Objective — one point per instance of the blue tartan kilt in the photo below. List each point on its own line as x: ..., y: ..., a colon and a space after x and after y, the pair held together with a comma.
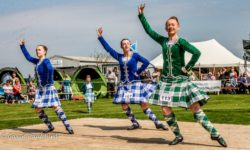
x: 89, y: 97
x: 67, y: 90
x: 46, y: 97
x: 134, y: 93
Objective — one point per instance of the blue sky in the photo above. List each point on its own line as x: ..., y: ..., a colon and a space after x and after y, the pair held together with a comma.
x: 68, y: 27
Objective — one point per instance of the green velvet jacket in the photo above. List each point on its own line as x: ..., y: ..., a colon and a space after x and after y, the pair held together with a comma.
x: 173, y: 57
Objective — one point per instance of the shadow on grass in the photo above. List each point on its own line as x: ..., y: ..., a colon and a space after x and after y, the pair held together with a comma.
x: 80, y: 111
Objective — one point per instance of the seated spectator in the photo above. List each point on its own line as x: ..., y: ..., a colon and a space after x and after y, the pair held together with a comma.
x: 31, y: 89
x: 211, y: 76
x: 8, y: 92
x: 17, y: 89
x: 244, y: 83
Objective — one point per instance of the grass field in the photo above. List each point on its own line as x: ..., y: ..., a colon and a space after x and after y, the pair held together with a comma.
x: 229, y: 109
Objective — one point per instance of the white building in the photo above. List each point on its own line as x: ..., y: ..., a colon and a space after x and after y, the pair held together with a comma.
x: 77, y: 61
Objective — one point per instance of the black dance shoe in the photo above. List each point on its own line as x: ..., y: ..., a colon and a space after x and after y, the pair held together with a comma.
x: 161, y: 126
x: 48, y: 130
x: 70, y: 130
x: 177, y: 140
x: 220, y: 140
x: 134, y: 126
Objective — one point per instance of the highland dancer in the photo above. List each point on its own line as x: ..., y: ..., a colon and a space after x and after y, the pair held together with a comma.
x: 131, y: 90
x: 46, y: 94
x: 89, y: 95
x: 175, y: 89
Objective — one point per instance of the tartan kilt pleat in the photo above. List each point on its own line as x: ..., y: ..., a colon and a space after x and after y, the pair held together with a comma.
x: 180, y: 92
x: 134, y: 93
x: 46, y: 97
x: 89, y: 96
x: 67, y: 89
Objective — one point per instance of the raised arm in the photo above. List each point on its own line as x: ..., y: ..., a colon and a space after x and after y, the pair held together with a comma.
x: 193, y: 50
x: 105, y: 45
x: 26, y: 53
x: 154, y: 35
x: 144, y: 62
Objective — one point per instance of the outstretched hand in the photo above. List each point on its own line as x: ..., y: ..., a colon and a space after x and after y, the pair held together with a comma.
x: 99, y: 31
x: 141, y: 8
x: 21, y: 41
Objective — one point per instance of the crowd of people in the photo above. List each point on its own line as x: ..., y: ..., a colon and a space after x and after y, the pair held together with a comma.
x: 231, y: 80
x: 13, y: 90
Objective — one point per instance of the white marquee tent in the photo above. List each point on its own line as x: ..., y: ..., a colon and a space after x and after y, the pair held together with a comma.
x: 213, y: 54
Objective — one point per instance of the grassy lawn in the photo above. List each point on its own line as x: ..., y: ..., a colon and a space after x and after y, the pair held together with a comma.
x: 229, y: 109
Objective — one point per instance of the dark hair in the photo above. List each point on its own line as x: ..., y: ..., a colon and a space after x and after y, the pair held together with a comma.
x: 88, y: 76
x: 175, y: 18
x: 123, y: 40
x: 44, y: 47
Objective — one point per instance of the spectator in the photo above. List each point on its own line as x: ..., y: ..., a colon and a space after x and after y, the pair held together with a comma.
x: 14, y: 77
x: 61, y: 91
x: 8, y: 92
x: 116, y: 77
x: 218, y: 76
x: 115, y: 70
x: 145, y: 77
x: 245, y: 83
x: 211, y: 76
x: 110, y: 83
x: 29, y: 78
x: 149, y: 77
x: 31, y: 89
x: 222, y: 77
x: 233, y: 77
x: 223, y: 72
x: 192, y: 76
x: 156, y: 75
x: 67, y: 88
x: 17, y: 89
